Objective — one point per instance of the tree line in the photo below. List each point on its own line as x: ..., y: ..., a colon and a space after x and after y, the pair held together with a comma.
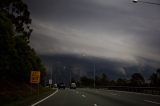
x: 136, y: 80
x: 17, y: 58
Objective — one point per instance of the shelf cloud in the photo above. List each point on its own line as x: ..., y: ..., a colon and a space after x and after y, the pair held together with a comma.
x: 113, y: 29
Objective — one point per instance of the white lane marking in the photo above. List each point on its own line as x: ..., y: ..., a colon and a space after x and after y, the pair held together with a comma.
x: 152, y: 102
x: 95, y: 105
x: 114, y: 94
x: 83, y: 96
x: 45, y: 98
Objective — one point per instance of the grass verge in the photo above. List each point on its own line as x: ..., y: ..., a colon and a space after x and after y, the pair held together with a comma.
x: 28, y: 100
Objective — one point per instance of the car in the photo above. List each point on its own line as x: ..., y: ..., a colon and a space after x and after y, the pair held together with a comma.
x: 73, y: 86
x: 61, y: 86
x: 55, y: 86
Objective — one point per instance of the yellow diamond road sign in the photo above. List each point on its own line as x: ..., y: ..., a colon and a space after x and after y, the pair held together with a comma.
x: 35, y: 77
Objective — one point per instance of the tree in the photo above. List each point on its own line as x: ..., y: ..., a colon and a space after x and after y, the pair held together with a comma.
x: 17, y: 58
x: 27, y: 60
x: 97, y: 80
x: 137, y: 80
x: 112, y: 83
x: 155, y: 78
x: 17, y: 12
x: 121, y: 82
x: 85, y: 81
x: 104, y: 79
x: 7, y: 50
x: 158, y: 77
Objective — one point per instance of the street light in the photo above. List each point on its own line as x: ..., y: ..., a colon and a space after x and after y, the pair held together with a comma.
x: 94, y: 72
x: 136, y: 1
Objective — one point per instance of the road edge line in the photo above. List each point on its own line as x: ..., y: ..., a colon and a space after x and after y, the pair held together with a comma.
x: 157, y: 103
x: 45, y: 98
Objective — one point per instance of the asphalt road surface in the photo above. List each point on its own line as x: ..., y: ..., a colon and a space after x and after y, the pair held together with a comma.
x: 99, y: 97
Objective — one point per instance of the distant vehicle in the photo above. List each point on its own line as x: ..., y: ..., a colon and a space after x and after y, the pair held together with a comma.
x: 73, y: 86
x: 135, y: 1
x: 61, y: 86
x: 55, y: 86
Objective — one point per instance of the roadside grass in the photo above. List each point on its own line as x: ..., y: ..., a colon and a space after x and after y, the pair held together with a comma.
x: 30, y: 99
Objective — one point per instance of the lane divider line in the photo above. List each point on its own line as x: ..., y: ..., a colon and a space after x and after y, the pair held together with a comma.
x: 45, y: 98
x: 114, y: 94
x: 152, y: 102
x: 83, y: 96
x: 95, y: 105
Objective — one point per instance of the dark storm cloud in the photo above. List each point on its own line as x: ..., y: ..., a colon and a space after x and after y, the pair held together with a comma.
x: 82, y: 66
x: 113, y: 29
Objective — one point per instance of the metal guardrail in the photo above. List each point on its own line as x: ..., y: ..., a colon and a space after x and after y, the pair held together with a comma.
x: 147, y: 90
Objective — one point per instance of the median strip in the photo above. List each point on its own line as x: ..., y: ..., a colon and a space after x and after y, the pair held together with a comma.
x: 45, y: 98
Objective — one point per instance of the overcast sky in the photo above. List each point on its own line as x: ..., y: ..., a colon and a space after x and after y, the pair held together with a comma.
x: 114, y: 29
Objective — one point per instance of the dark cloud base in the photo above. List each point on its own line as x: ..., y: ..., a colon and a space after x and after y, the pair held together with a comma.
x: 80, y: 66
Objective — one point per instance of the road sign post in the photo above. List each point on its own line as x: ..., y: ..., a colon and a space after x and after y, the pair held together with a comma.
x: 50, y: 83
x: 35, y: 79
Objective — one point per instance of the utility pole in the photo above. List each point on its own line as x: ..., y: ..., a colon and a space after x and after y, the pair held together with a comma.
x: 70, y: 76
x: 94, y: 69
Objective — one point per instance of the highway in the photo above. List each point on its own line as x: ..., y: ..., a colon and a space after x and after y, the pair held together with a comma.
x: 99, y: 97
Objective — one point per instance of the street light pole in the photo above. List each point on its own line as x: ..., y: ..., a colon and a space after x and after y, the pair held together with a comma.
x: 94, y: 67
x: 70, y: 75
x: 136, y: 1
x: 94, y: 72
